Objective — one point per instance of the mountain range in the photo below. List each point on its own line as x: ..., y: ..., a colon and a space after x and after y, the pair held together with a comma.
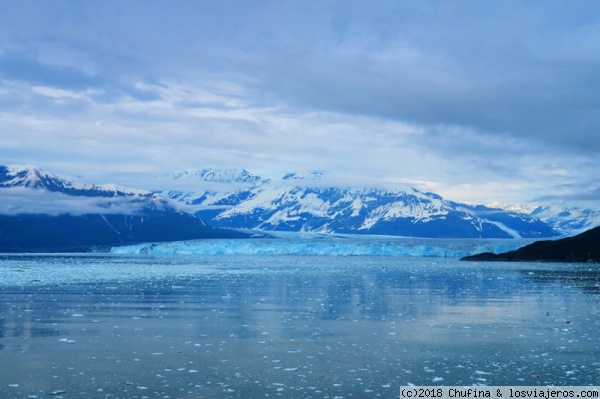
x: 240, y: 200
x: 41, y: 212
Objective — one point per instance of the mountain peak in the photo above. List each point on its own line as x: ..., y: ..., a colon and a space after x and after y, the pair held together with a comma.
x: 304, y: 176
x: 22, y: 175
x: 30, y: 176
x: 215, y: 175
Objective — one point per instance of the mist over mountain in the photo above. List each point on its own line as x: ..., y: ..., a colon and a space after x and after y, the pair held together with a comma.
x: 41, y: 212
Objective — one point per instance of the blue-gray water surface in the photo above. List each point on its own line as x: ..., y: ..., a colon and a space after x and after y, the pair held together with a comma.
x: 235, y: 326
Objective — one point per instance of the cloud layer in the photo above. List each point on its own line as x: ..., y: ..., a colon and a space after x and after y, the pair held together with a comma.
x: 478, y: 101
x: 21, y: 200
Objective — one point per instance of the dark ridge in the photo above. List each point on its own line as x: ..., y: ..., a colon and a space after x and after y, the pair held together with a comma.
x: 584, y: 247
x: 93, y: 232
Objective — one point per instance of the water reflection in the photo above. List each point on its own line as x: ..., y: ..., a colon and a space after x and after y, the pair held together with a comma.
x: 586, y: 277
x: 293, y: 326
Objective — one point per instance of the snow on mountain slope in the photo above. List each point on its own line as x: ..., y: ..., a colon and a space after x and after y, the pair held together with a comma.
x: 31, y: 177
x: 312, y: 176
x: 304, y: 203
x: 220, y: 175
x: 29, y: 190
x: 214, y: 188
x: 568, y: 220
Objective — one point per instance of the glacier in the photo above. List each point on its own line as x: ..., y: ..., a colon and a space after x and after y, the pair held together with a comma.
x: 329, y: 245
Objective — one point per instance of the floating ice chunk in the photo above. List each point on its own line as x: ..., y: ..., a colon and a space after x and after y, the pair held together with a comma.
x: 437, y: 379
x: 66, y: 341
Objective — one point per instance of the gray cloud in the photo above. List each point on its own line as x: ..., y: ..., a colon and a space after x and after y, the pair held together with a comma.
x: 586, y: 194
x: 453, y: 94
x: 514, y: 68
x: 24, y: 68
x: 17, y: 200
x: 553, y: 103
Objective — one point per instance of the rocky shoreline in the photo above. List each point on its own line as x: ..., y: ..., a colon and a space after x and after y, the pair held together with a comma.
x: 584, y: 247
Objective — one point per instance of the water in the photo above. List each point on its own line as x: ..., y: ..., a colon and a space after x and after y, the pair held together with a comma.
x: 301, y: 326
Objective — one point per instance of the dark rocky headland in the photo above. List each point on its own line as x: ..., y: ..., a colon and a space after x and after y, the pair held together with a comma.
x: 584, y: 247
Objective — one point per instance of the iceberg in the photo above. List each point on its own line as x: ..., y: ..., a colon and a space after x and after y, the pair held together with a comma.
x: 329, y: 245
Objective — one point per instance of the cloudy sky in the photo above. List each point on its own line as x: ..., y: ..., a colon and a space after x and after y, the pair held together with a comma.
x: 479, y: 101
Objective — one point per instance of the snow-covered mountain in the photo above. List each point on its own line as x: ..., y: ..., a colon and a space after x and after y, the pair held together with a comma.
x: 312, y: 176
x: 302, y: 203
x: 40, y: 211
x: 31, y: 177
x: 221, y: 176
x: 219, y: 187
x: 568, y: 220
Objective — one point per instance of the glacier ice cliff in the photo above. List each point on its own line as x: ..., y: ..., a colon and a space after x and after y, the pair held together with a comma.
x: 329, y: 245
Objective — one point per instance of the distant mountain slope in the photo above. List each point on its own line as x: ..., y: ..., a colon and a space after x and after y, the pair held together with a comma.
x: 80, y: 233
x: 584, y: 247
x: 43, y: 212
x: 568, y: 220
x: 306, y: 203
x: 215, y: 187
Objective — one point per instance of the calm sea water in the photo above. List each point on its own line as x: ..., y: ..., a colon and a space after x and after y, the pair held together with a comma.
x: 236, y: 326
